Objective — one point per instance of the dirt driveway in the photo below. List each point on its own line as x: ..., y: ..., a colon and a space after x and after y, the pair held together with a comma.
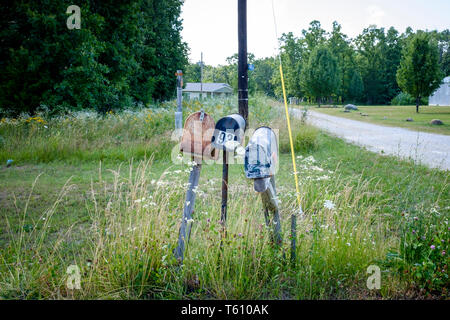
x: 429, y: 149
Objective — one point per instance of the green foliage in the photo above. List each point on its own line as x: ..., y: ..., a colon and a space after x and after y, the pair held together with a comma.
x: 306, y: 140
x: 292, y: 56
x: 366, y: 66
x: 125, y: 53
x: 305, y: 137
x: 425, y: 248
x: 349, y: 79
x: 319, y: 76
x: 259, y: 79
x: 356, y: 87
x: 193, y: 73
x: 118, y: 222
x: 81, y: 136
x: 378, y: 58
x: 419, y: 73
x: 405, y: 99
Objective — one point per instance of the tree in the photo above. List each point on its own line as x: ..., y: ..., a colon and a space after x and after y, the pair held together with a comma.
x: 126, y: 52
x: 192, y: 73
x: 419, y: 73
x: 264, y: 69
x: 356, y: 87
x: 319, y: 76
x: 292, y: 57
x: 370, y: 62
x: 390, y: 51
x: 314, y: 36
x: 341, y: 49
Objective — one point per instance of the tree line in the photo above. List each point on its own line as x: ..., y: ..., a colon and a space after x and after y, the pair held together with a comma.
x: 330, y: 67
x: 125, y: 53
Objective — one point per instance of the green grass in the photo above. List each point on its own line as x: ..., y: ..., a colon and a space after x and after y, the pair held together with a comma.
x: 118, y: 219
x: 396, y: 116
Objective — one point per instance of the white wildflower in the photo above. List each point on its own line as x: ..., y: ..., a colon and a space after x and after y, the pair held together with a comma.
x: 139, y: 200
x: 310, y: 159
x: 329, y: 205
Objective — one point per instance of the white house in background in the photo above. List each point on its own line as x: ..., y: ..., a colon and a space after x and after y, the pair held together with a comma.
x: 193, y: 90
x: 441, y: 97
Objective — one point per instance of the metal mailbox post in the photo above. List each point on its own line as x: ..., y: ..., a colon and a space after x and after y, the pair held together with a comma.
x: 228, y: 135
x: 196, y: 141
x: 261, y: 164
x: 179, y: 112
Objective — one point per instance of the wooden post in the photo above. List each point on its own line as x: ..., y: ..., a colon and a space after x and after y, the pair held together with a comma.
x: 266, y: 187
x: 242, y: 63
x: 179, y: 112
x: 186, y: 223
x: 293, y: 237
x: 223, y: 213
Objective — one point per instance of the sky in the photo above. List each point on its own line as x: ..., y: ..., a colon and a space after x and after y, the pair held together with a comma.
x: 210, y: 26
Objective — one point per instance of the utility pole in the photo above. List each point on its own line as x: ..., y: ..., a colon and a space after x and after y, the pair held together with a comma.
x: 242, y: 63
x: 201, y: 75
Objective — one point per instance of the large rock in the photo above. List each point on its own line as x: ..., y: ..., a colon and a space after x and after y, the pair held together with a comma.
x: 436, y: 122
x: 409, y: 120
x: 351, y: 107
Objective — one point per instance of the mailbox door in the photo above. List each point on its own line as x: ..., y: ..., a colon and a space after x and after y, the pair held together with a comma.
x: 197, y: 135
x: 229, y: 132
x: 261, y: 154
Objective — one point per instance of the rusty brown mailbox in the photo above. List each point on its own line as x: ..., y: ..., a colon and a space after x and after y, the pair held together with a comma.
x: 197, y: 134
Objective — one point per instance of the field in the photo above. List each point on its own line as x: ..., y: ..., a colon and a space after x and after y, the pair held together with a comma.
x: 396, y: 116
x: 101, y: 193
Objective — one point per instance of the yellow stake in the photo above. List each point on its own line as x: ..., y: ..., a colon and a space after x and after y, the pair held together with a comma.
x: 290, y: 137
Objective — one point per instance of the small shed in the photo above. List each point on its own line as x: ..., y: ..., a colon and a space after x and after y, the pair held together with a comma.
x: 193, y: 90
x: 441, y: 97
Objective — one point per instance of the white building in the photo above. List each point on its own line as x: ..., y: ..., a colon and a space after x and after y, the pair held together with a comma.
x: 441, y: 97
x: 193, y: 90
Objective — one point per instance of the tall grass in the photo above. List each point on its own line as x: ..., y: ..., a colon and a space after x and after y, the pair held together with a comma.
x: 127, y: 245
x: 89, y: 136
x: 123, y: 247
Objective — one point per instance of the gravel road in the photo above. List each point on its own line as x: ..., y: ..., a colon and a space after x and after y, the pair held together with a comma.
x: 429, y: 149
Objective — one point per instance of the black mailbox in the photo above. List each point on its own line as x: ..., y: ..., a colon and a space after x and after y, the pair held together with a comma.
x: 229, y: 133
x: 261, y: 154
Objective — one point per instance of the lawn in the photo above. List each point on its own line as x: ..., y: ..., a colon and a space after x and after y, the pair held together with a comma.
x: 101, y: 192
x: 396, y: 116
